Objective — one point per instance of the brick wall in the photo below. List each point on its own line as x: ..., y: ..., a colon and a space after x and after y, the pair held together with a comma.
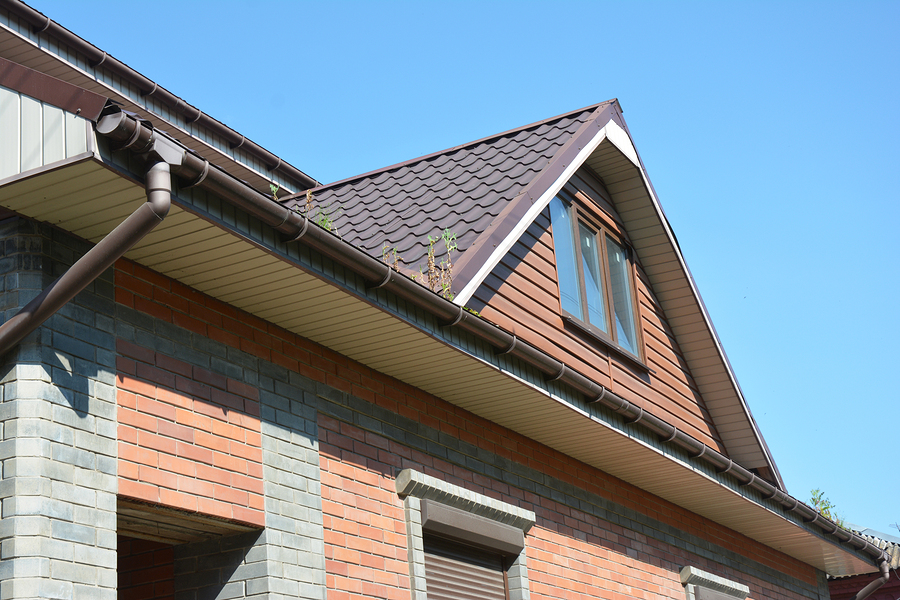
x: 188, y: 438
x: 365, y: 547
x: 57, y: 418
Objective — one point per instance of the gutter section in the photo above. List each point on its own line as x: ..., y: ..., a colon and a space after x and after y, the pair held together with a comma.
x: 131, y: 133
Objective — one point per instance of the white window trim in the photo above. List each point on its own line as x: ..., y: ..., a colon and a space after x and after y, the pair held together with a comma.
x: 414, y: 487
x: 692, y: 578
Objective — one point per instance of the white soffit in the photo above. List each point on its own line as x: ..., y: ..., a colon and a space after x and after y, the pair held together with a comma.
x: 420, y: 359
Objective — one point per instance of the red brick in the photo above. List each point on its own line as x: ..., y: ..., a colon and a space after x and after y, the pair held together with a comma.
x: 251, y: 484
x: 229, y: 494
x: 197, y: 487
x: 193, y: 420
x: 179, y: 500
x: 154, y: 407
x: 125, y: 365
x: 189, y: 386
x: 137, y: 420
x: 178, y: 399
x: 173, y: 364
x: 250, y: 516
x: 214, y: 508
x: 126, y: 348
x: 189, y: 323
x: 126, y: 434
x: 173, y: 301
x: 156, y: 442
x: 128, y: 470
x: 211, y: 379
x: 224, y: 337
x: 230, y: 463
x: 213, y: 442
x: 153, y: 309
x: 126, y: 399
x: 139, y: 491
x: 226, y: 399
x: 211, y: 410
x: 192, y: 452
x: 137, y: 454
x: 177, y: 465
x: 124, y: 297
x: 133, y: 284
x: 242, y: 389
x: 172, y: 430
x: 213, y: 474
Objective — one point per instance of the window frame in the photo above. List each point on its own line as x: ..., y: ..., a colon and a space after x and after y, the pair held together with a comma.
x: 584, y: 209
x: 417, y: 488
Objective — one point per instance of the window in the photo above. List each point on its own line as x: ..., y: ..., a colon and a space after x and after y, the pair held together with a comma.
x: 595, y: 275
x: 462, y: 544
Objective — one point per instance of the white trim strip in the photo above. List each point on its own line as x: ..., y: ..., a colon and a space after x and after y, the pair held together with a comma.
x: 500, y: 251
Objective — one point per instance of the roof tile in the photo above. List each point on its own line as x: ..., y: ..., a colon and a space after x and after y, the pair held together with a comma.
x: 462, y: 189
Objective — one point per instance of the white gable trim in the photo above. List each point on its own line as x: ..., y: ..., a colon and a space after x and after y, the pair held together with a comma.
x: 616, y: 135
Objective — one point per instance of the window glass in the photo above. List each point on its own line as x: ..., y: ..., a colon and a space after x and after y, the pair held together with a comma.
x: 593, y: 277
x: 623, y: 308
x: 566, y: 267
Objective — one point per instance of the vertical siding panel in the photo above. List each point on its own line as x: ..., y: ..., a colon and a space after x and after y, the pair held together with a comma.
x: 32, y: 134
x: 9, y: 133
x: 54, y: 139
x: 76, y: 135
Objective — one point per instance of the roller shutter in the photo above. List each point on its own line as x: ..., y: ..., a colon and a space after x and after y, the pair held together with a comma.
x: 457, y: 572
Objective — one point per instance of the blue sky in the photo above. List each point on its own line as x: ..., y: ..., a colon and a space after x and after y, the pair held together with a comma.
x: 770, y: 132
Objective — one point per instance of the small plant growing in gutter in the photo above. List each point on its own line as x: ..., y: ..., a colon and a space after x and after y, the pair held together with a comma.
x: 323, y: 216
x: 440, y: 275
x: 274, y: 187
x: 391, y: 257
x: 825, y: 507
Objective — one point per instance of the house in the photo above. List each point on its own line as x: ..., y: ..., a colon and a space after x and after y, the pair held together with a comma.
x: 208, y: 391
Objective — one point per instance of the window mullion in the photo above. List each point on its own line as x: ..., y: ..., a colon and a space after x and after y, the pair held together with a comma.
x: 607, y: 285
x: 579, y: 264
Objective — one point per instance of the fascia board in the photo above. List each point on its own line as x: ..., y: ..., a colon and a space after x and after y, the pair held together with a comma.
x: 623, y: 142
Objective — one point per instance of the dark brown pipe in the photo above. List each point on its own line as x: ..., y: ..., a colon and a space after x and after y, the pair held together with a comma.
x: 98, y: 259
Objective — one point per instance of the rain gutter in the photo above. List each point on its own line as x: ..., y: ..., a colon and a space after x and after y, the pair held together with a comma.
x: 122, y: 128
x: 42, y: 24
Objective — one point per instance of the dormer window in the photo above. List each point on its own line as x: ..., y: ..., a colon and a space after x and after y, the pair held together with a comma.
x: 594, y: 269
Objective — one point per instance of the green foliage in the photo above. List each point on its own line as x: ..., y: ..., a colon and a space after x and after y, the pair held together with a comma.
x: 824, y: 506
x: 274, y: 187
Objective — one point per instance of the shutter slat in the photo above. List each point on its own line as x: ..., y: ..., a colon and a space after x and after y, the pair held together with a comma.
x: 457, y: 572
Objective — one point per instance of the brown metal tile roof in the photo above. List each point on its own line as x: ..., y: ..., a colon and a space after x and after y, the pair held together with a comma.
x: 462, y: 189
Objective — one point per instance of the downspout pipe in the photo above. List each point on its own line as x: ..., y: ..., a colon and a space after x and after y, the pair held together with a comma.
x: 98, y: 259
x: 867, y: 591
x: 129, y: 132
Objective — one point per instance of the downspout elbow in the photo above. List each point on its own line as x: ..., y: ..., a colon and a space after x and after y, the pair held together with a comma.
x: 867, y: 591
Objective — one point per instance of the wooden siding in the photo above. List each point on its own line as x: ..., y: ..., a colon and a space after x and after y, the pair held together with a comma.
x: 521, y: 295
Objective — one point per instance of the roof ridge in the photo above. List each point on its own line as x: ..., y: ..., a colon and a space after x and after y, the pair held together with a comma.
x: 495, y: 136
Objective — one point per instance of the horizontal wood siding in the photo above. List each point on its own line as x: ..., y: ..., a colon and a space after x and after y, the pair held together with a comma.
x: 522, y: 295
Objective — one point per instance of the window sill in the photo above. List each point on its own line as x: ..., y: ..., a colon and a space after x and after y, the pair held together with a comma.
x: 600, y: 338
